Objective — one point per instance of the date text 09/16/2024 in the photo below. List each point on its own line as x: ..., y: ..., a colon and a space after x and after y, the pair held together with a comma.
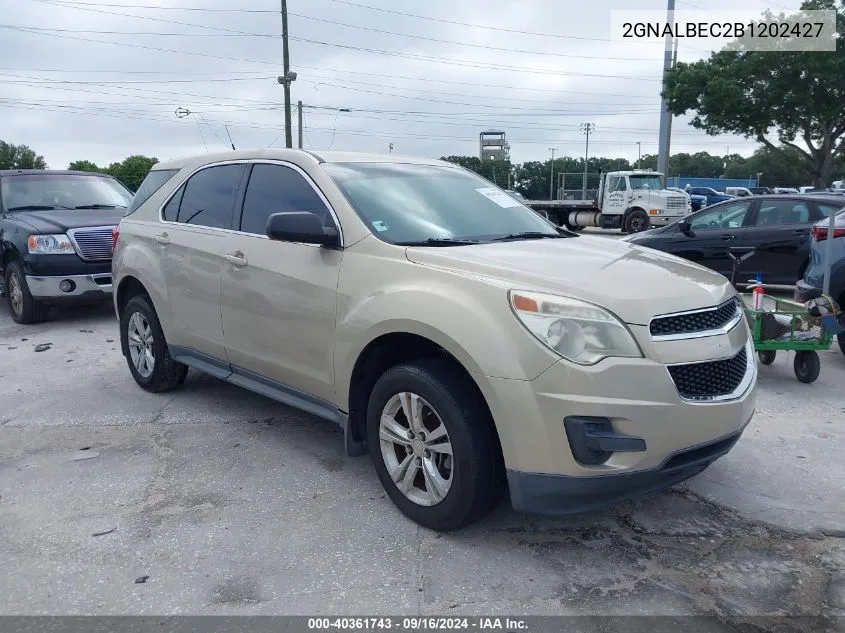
x: 417, y: 623
x: 722, y: 30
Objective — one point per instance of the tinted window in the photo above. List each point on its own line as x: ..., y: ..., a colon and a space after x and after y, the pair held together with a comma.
x: 403, y: 202
x: 152, y: 183
x: 209, y: 196
x: 275, y: 189
x: 826, y: 209
x: 726, y: 216
x: 782, y: 212
x: 171, y: 209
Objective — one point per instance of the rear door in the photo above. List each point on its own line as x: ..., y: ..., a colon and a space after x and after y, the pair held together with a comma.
x: 778, y: 233
x: 712, y: 233
x: 192, y: 241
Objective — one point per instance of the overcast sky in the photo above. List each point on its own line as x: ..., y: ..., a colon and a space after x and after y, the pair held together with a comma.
x: 71, y: 91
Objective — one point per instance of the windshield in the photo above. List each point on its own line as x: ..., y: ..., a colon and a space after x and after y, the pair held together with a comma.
x: 62, y: 191
x: 413, y: 203
x: 646, y: 181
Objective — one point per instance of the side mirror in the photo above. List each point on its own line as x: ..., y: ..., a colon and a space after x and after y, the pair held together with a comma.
x: 685, y: 227
x: 301, y: 226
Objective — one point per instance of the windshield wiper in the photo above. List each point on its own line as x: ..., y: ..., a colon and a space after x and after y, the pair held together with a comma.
x: 36, y: 207
x: 439, y: 241
x: 527, y: 235
x: 100, y: 206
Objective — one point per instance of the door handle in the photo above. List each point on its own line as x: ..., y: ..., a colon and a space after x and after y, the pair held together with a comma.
x: 728, y: 236
x: 163, y: 238
x: 236, y: 259
x: 799, y: 232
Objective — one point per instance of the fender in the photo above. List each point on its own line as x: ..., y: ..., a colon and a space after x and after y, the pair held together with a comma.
x: 491, y: 344
x: 134, y: 259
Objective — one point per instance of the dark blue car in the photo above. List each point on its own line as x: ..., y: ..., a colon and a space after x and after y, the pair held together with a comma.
x: 713, y: 196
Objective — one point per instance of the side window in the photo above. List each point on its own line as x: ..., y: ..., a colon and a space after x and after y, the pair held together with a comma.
x: 783, y: 212
x: 171, y: 209
x: 729, y: 216
x: 209, y: 197
x: 154, y: 181
x: 275, y: 189
x: 826, y: 209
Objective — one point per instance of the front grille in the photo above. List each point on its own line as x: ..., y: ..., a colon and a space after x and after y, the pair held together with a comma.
x: 693, y: 322
x: 703, y: 381
x: 93, y: 244
x: 676, y: 202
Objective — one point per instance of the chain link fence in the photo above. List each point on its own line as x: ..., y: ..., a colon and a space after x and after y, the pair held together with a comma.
x: 577, y: 186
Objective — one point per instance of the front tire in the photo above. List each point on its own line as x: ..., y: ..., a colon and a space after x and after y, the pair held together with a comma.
x: 145, y: 348
x: 807, y: 366
x: 637, y: 221
x: 433, y: 444
x: 23, y: 308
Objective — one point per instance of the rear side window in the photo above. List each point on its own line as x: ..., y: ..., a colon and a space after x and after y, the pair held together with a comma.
x: 154, y: 181
x: 171, y: 209
x: 275, y: 189
x: 209, y: 197
x: 826, y: 209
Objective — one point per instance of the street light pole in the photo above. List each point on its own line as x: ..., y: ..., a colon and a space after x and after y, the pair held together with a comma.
x: 552, y: 175
x: 665, y: 116
x: 639, y: 153
x: 299, y: 117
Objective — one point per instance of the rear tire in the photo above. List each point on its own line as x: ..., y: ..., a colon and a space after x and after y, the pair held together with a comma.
x: 23, y: 308
x: 465, y: 486
x: 841, y: 340
x: 767, y: 357
x: 807, y: 366
x: 145, y: 348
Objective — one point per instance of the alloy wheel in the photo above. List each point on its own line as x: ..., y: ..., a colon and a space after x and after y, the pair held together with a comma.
x: 140, y: 339
x: 416, y: 449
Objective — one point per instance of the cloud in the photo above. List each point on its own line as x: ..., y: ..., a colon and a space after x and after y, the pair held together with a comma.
x: 102, y: 80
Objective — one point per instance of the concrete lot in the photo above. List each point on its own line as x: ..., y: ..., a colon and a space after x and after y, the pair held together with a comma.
x: 232, y: 504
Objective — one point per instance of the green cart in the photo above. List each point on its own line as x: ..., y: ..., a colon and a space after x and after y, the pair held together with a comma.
x: 783, y: 325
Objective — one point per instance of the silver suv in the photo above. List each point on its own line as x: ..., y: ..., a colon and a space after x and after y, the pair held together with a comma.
x: 465, y: 342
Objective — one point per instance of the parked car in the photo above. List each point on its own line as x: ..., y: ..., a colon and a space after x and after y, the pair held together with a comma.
x: 696, y: 202
x: 810, y: 286
x: 777, y: 227
x: 712, y: 196
x: 761, y: 191
x: 784, y: 190
x: 457, y: 336
x: 56, y: 238
x: 738, y: 192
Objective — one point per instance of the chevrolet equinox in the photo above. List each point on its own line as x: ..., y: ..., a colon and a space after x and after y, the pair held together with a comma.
x: 463, y: 341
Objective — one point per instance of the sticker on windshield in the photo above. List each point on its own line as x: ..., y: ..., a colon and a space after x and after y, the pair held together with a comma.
x: 379, y: 226
x: 499, y: 197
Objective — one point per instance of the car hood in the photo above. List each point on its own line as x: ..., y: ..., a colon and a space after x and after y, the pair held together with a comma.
x: 62, y: 220
x: 633, y: 282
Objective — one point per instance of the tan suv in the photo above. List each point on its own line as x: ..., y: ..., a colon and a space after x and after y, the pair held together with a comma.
x: 458, y: 337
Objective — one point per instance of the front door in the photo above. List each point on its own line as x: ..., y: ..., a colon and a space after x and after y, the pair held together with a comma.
x: 711, y: 234
x: 779, y: 234
x: 192, y: 241
x: 279, y: 299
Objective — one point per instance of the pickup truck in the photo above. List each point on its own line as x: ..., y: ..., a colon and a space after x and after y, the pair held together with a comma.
x: 56, y: 238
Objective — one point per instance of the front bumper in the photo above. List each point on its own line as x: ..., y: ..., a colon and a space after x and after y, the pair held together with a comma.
x: 70, y: 288
x: 637, y: 398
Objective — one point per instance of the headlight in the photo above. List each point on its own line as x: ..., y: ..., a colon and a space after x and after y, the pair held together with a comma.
x: 579, y: 331
x: 49, y: 245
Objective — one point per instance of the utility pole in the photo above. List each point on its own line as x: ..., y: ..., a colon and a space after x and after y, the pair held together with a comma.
x: 299, y: 117
x: 587, y: 128
x: 289, y: 77
x: 665, y: 117
x: 552, y: 176
x: 639, y: 153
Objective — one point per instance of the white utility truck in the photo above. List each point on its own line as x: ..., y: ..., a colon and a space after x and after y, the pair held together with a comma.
x: 632, y: 201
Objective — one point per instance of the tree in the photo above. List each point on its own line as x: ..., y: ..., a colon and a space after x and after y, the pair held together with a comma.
x: 20, y: 157
x: 799, y: 95
x: 498, y: 172
x: 84, y: 165
x: 131, y: 171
